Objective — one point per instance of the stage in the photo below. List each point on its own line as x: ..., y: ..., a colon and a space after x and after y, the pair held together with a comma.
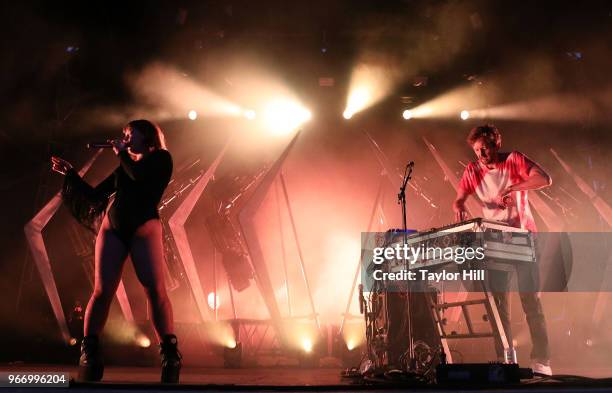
x: 269, y: 192
x: 136, y: 379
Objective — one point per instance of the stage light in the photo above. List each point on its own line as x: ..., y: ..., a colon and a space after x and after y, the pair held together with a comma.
x: 407, y: 114
x: 353, y: 335
x: 453, y: 103
x: 350, y: 345
x: 310, y: 354
x: 213, y: 301
x: 73, y: 341
x: 370, y: 82
x: 169, y: 90
x: 250, y: 114
x: 349, y: 351
x: 284, y: 116
x: 307, y: 345
x: 464, y: 115
x: 231, y: 343
x: 232, y: 357
x: 143, y: 341
x: 222, y: 334
x: 358, y: 100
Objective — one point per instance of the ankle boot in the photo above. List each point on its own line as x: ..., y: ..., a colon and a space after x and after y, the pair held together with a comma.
x: 170, y: 359
x: 91, y: 367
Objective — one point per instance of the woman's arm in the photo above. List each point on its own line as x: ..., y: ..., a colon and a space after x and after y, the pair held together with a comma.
x: 102, y: 191
x: 86, y: 203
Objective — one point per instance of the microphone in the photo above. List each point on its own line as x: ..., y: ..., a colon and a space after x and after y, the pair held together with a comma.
x: 99, y: 145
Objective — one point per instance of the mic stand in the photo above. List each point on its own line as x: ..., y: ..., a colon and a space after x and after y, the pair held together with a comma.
x: 401, y: 199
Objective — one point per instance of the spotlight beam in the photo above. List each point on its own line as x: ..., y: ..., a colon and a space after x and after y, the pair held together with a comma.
x: 369, y: 84
x: 172, y: 92
x: 284, y: 115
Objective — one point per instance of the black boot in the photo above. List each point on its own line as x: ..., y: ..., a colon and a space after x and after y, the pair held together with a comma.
x: 91, y: 367
x: 170, y: 359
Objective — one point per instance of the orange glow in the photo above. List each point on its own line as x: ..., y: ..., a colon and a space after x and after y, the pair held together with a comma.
x: 353, y: 334
x: 172, y: 93
x: 282, y: 116
x: 213, y: 301
x: 369, y: 84
x: 358, y: 100
x: 221, y: 333
x: 143, y: 341
x: 350, y: 345
x: 448, y: 104
x: 307, y: 345
x: 231, y: 343
x: 250, y: 114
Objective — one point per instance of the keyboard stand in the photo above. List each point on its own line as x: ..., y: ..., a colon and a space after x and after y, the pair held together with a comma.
x: 492, y: 313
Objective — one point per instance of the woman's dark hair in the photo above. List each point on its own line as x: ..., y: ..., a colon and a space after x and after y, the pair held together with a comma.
x: 153, y: 135
x: 488, y: 131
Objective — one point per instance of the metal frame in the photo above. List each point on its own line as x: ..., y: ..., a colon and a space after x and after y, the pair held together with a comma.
x: 246, y: 221
x: 498, y: 333
x: 177, y: 227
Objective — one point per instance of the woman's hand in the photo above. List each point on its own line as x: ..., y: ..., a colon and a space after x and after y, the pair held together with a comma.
x: 60, y: 165
x: 119, y: 145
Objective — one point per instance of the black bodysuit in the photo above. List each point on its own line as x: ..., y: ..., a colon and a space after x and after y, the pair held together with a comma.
x: 139, y: 186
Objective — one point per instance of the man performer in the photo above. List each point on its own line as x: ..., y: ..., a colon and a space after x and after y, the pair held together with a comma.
x: 501, y: 181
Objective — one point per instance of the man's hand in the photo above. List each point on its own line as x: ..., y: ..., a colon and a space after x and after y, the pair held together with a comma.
x: 506, y: 191
x: 459, y: 205
x: 460, y: 211
x: 504, y: 198
x: 60, y: 165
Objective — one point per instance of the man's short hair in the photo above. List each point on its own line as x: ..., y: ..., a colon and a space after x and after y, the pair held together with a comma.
x: 488, y: 131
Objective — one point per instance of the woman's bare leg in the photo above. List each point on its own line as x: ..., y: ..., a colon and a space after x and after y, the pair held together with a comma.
x: 147, y: 254
x: 110, y: 254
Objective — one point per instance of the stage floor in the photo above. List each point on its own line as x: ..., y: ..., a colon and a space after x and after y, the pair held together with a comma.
x: 275, y: 379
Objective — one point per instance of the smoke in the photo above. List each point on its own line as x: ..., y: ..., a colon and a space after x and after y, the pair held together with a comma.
x: 562, y: 109
x: 107, y: 116
x: 392, y: 50
x: 161, y: 92
x: 162, y: 86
